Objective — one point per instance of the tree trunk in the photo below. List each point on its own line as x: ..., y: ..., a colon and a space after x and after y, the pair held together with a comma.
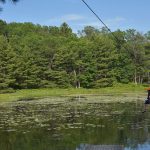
x: 51, y: 62
x: 75, y: 77
x: 79, y: 84
x: 135, y: 76
x: 142, y: 80
x: 139, y: 79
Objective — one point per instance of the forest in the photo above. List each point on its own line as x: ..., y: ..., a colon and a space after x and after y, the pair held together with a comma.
x: 34, y: 56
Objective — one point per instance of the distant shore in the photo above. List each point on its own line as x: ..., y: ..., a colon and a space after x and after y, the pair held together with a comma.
x: 28, y: 94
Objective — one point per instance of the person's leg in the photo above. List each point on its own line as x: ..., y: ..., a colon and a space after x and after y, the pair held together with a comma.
x: 145, y: 107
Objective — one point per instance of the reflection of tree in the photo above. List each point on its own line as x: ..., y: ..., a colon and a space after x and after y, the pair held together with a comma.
x: 99, y: 147
x: 108, y: 124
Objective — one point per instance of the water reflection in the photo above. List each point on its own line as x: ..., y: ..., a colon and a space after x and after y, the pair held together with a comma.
x: 41, y: 125
x: 100, y: 147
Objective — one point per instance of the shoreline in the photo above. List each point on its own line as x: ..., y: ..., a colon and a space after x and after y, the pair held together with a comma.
x: 45, y: 93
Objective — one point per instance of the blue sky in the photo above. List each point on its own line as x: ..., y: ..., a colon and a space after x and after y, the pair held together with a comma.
x: 122, y: 14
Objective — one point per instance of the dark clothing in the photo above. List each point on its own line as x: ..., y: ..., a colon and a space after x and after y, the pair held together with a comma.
x: 148, y: 94
x: 147, y: 101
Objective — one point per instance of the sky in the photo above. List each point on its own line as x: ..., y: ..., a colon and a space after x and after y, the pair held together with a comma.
x: 117, y: 14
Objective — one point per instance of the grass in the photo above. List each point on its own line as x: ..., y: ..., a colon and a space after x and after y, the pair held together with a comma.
x: 43, y: 93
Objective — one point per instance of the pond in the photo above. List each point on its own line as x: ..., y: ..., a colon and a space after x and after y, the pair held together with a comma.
x: 75, y: 123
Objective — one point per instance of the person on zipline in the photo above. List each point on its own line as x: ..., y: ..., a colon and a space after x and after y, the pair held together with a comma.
x: 147, y: 101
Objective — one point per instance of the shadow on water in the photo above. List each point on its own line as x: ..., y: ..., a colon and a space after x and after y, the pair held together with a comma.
x: 74, y: 125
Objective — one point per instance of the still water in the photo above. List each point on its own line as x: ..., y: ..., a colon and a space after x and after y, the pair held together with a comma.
x: 75, y: 123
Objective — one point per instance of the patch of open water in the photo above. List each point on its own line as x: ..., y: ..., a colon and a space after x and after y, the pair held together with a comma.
x: 75, y: 123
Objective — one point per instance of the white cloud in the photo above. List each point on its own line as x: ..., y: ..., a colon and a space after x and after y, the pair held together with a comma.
x: 72, y: 17
x: 115, y: 21
x: 92, y: 23
x: 111, y: 23
x: 66, y: 18
x: 85, y: 20
x: 78, y: 22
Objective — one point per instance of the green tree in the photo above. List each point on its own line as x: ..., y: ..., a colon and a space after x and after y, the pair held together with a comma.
x: 89, y: 32
x: 135, y: 45
x: 7, y: 64
x: 105, y: 56
x: 147, y: 62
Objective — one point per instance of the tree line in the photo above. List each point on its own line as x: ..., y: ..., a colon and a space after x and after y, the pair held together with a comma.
x: 35, y: 56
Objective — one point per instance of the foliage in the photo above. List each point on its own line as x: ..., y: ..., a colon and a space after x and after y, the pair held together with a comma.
x: 34, y: 56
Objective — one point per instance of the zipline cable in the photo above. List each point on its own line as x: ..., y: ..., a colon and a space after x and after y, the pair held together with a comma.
x: 103, y: 23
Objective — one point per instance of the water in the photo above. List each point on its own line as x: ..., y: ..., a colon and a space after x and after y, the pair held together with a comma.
x: 75, y: 123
